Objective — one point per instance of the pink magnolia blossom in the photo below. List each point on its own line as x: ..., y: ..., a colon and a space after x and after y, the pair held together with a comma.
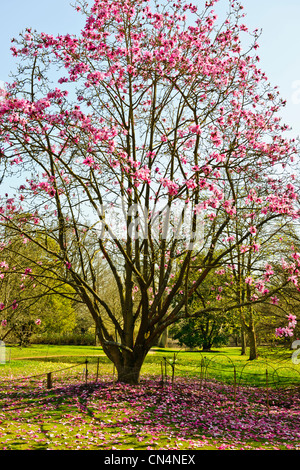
x: 287, y: 331
x: 256, y: 247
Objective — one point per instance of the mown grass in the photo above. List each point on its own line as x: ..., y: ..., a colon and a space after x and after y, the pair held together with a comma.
x: 272, y: 368
x: 73, y: 416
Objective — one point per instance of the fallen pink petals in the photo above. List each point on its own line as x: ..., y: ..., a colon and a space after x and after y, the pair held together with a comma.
x: 108, y: 416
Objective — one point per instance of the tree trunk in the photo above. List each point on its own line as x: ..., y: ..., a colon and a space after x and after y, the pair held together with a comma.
x: 128, y: 365
x: 252, y: 343
x: 129, y: 374
x: 207, y: 345
x: 163, y: 339
x: 243, y: 341
x: 251, y: 335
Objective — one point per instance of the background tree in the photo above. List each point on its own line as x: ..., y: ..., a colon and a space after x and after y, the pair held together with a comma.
x: 29, y: 304
x: 202, y: 332
x: 159, y: 110
x: 211, y: 328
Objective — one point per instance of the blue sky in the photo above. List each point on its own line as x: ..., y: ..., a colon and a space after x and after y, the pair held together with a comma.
x: 279, y: 43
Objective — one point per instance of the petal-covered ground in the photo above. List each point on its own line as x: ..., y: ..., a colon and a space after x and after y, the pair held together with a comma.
x: 149, y: 416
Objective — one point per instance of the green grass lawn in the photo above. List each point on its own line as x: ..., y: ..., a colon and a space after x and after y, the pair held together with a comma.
x: 195, y: 414
x: 228, y: 365
x: 274, y: 367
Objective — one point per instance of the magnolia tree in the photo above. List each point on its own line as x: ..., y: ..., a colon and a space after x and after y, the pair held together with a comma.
x: 137, y: 145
